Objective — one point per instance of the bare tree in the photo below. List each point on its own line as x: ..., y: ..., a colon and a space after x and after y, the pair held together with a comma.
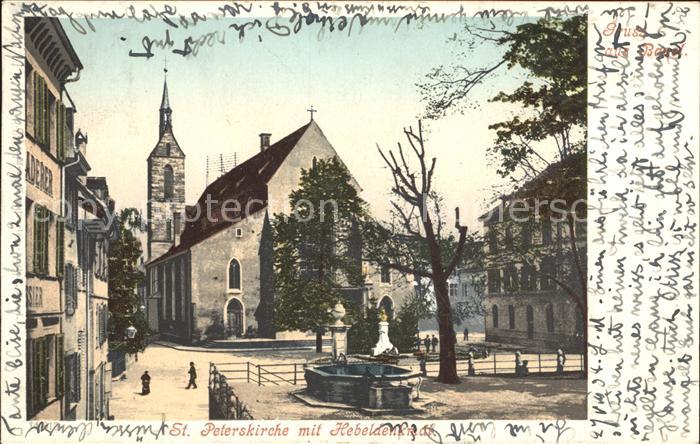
x: 414, y: 242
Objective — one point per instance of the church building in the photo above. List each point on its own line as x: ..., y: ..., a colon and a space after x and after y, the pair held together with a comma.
x: 212, y: 277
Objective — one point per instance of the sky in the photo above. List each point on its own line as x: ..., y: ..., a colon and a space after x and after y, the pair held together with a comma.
x: 363, y: 86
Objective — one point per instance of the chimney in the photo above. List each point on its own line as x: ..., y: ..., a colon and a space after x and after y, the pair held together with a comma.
x: 264, y: 141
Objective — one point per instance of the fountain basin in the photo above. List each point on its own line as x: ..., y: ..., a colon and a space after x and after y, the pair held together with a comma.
x: 390, y: 386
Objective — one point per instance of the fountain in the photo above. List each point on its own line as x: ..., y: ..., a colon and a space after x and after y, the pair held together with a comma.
x: 367, y: 385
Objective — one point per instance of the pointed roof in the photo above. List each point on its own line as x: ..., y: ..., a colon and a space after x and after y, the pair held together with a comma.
x: 165, y: 102
x: 245, y: 183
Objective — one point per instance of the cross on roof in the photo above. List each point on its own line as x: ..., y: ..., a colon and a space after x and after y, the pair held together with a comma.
x: 312, y: 111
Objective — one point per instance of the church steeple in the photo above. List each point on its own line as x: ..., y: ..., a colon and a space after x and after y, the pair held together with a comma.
x: 165, y: 111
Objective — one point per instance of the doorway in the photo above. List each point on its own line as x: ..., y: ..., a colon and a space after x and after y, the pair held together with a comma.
x: 234, y: 318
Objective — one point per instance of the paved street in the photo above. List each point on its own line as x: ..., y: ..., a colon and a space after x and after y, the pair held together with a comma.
x: 168, y: 369
x: 476, y: 397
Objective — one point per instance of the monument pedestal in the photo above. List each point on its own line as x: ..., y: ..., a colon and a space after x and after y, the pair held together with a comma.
x: 383, y: 343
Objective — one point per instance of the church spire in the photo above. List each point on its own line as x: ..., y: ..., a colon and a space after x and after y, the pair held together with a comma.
x: 165, y: 111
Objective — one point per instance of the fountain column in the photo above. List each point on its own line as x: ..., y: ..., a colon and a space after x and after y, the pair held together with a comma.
x: 339, y: 332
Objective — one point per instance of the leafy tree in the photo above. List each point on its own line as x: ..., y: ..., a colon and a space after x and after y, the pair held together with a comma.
x: 414, y: 241
x: 125, y: 278
x: 364, y: 333
x: 315, y: 248
x: 553, y: 99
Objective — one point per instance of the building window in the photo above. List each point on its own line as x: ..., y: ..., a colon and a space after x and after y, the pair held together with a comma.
x: 42, y: 218
x: 61, y: 136
x: 60, y: 251
x: 167, y: 149
x: 511, y: 278
x: 528, y: 278
x: 509, y: 237
x: 465, y: 291
x: 546, y: 232
x: 493, y: 240
x: 176, y: 225
x: 549, y: 313
x: 42, y: 123
x: 547, y: 272
x: 580, y: 232
x: 234, y: 275
x: 526, y: 234
x: 387, y: 304
x: 494, y: 278
x: 453, y: 289
x: 168, y: 182
x: 511, y: 317
x: 70, y: 288
x: 494, y: 316
x: 73, y: 377
x: 43, y: 352
x: 385, y: 275
x: 168, y: 230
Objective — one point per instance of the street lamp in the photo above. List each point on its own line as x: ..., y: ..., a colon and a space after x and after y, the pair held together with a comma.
x: 130, y: 332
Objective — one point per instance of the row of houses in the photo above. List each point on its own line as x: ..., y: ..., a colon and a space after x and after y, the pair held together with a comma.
x: 68, y: 234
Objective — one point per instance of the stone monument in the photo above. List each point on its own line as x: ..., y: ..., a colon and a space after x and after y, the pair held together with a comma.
x: 339, y: 331
x: 383, y: 344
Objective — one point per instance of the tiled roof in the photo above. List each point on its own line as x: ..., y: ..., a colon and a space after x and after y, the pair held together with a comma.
x: 245, y: 183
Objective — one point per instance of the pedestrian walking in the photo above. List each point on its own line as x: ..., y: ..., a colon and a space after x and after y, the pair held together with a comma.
x: 193, y: 376
x: 426, y: 343
x: 416, y: 342
x: 145, y: 383
x: 466, y: 334
x: 435, y: 343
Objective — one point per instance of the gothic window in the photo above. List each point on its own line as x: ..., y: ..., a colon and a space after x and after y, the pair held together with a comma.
x: 168, y: 182
x: 549, y: 311
x: 546, y: 232
x: 234, y: 275
x: 494, y: 316
x: 494, y: 280
x: 547, y: 271
x: 167, y: 149
x: 493, y: 240
x: 511, y: 317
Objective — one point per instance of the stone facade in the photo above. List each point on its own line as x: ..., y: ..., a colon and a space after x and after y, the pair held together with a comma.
x: 166, y: 186
x: 528, y: 255
x: 206, y: 305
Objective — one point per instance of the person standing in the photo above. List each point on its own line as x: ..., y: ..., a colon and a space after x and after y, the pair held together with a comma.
x: 561, y: 360
x: 145, y: 383
x: 416, y: 342
x: 426, y: 343
x: 466, y: 334
x: 193, y: 376
x: 435, y: 343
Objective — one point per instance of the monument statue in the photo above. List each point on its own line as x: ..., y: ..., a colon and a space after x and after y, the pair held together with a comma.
x: 383, y: 344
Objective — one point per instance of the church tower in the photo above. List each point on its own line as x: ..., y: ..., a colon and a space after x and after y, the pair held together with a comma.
x: 166, y: 185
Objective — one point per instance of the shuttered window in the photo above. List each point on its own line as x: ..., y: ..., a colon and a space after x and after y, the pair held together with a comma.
x: 59, y: 366
x: 40, y: 364
x: 60, y: 248
x: 70, y: 288
x: 41, y: 240
x: 60, y: 131
x: 41, y: 111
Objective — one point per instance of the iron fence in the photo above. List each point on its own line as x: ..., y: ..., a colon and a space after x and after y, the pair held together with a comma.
x: 495, y: 364
x: 223, y: 402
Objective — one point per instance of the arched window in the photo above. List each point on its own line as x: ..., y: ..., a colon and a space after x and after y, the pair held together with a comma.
x: 511, y: 317
x: 388, y: 305
x: 549, y: 313
x: 168, y: 182
x: 234, y: 275
x: 494, y: 315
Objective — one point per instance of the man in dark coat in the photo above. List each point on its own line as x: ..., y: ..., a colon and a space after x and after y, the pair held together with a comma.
x: 426, y: 342
x: 145, y: 383
x: 435, y: 343
x: 193, y: 376
x: 466, y: 334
